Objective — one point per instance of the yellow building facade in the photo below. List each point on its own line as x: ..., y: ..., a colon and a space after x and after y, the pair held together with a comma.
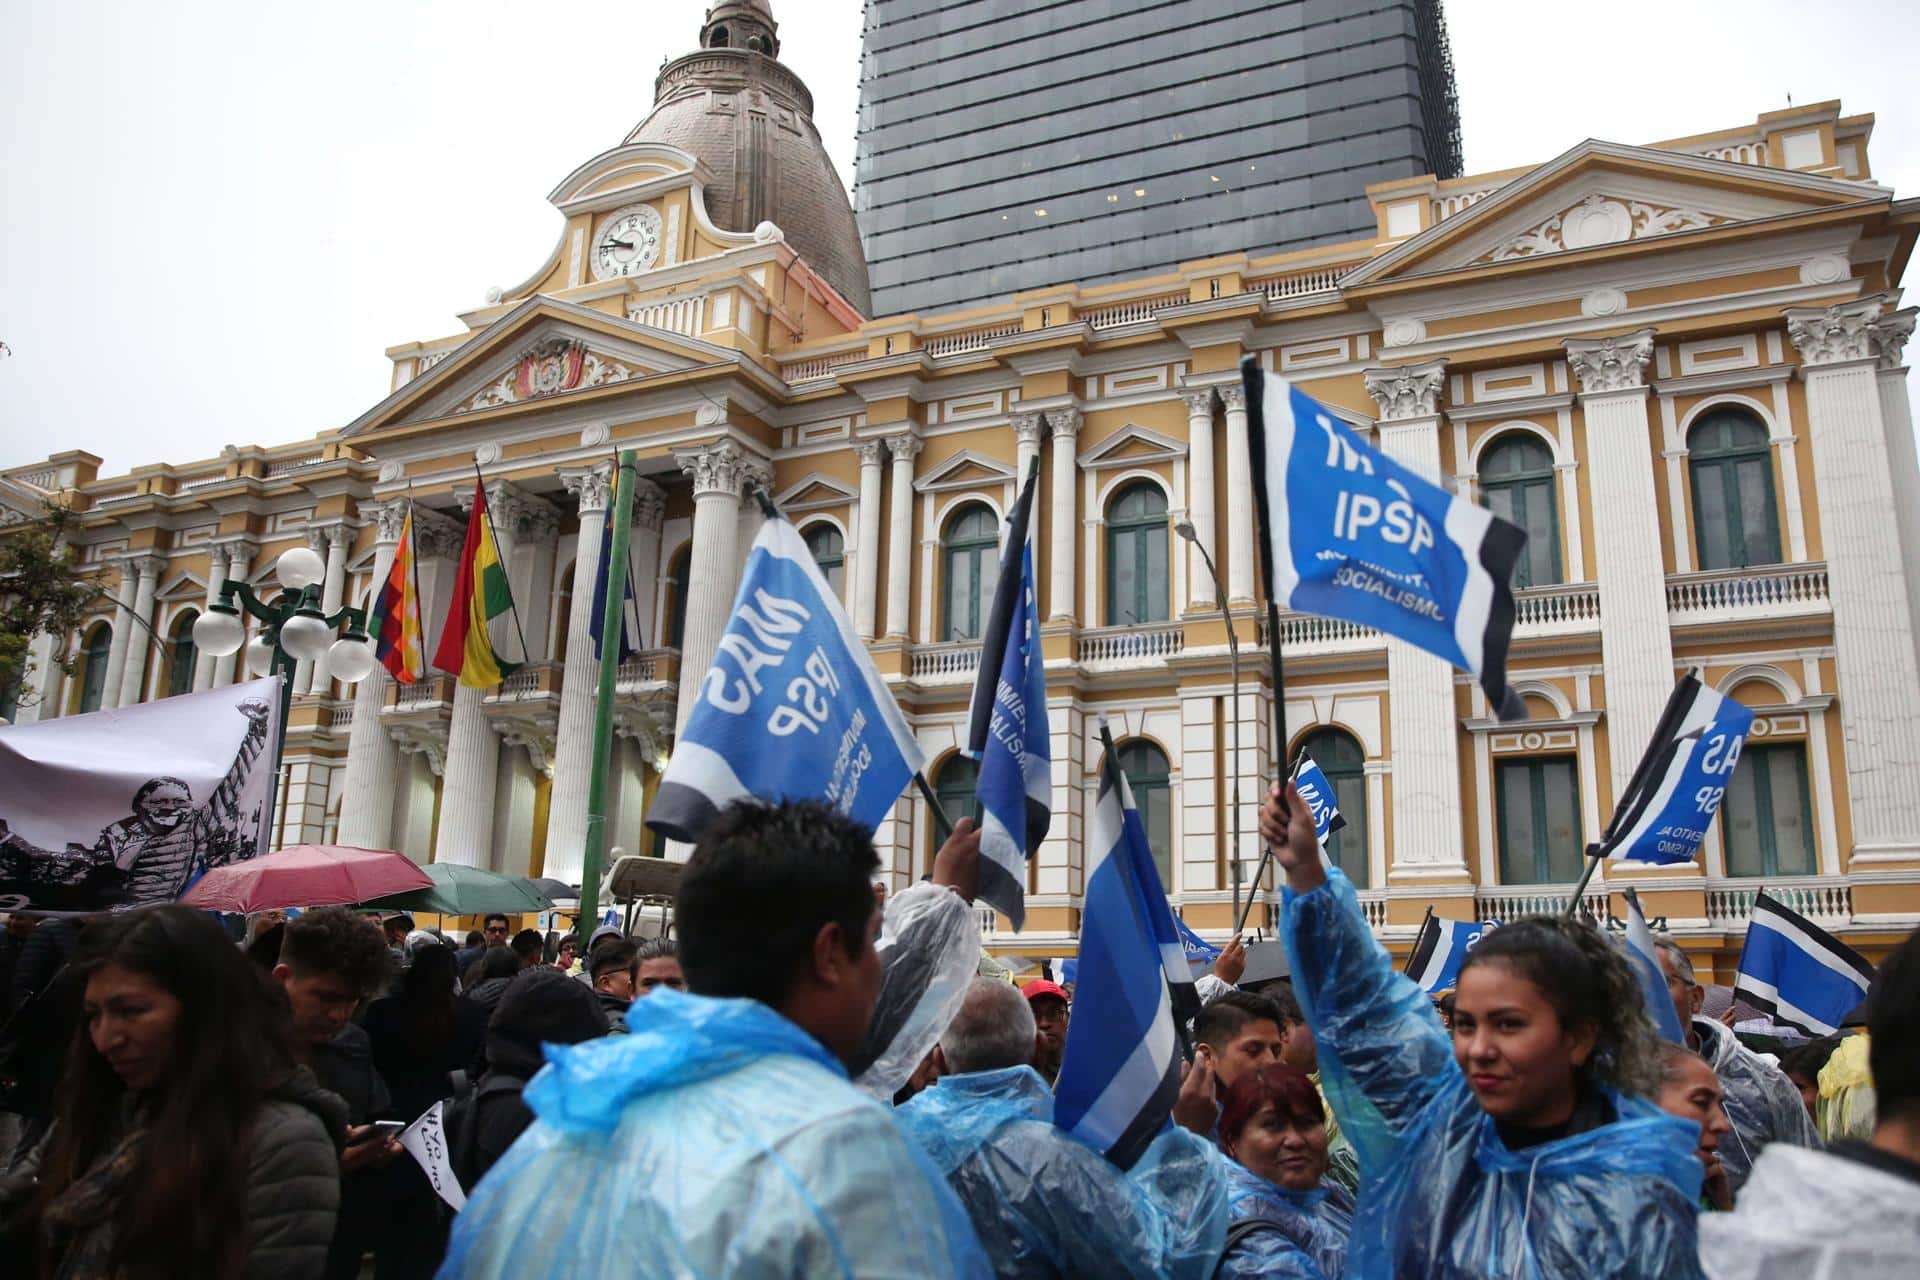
x: 1678, y: 365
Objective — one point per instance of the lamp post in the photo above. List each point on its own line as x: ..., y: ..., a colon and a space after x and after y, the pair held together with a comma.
x: 295, y: 631
x: 1186, y: 530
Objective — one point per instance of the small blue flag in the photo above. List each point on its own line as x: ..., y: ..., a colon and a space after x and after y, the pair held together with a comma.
x: 1677, y: 788
x: 1652, y: 978
x: 1318, y: 793
x: 1797, y: 972
x: 1442, y: 947
x: 629, y: 612
x: 1199, y: 950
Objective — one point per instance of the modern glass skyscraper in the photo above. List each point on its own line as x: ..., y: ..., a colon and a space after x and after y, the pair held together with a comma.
x: 1011, y: 144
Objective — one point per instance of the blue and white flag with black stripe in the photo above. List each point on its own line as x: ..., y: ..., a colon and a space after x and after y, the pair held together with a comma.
x: 629, y: 611
x: 1441, y: 948
x: 1645, y: 958
x: 1796, y: 972
x: 1349, y: 533
x: 1133, y: 993
x: 1677, y: 787
x: 792, y: 707
x: 1007, y: 729
x: 1314, y: 788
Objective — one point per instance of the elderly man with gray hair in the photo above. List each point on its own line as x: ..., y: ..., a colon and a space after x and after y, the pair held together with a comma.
x: 1043, y: 1205
x: 1762, y: 1104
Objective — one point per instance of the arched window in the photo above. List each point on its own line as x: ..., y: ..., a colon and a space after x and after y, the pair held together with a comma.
x: 181, y: 655
x: 956, y: 785
x: 1137, y: 589
x: 1517, y: 484
x: 1734, y: 514
x: 1767, y: 814
x: 678, y: 570
x: 970, y: 551
x: 1344, y: 762
x: 829, y: 551
x: 1149, y: 777
x: 93, y: 667
x: 1539, y: 802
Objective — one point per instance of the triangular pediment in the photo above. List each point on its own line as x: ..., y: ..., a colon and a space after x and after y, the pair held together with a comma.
x: 20, y: 504
x: 813, y: 493
x: 1602, y: 193
x: 185, y: 586
x: 1131, y: 446
x: 965, y: 470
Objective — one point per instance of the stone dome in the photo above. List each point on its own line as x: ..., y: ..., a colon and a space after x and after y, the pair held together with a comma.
x: 749, y: 119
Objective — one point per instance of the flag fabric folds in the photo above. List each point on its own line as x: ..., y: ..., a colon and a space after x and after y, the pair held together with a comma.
x: 481, y: 593
x: 1133, y: 993
x: 1677, y: 787
x: 1645, y: 959
x: 1007, y: 728
x: 1441, y: 948
x: 1798, y: 973
x: 1314, y: 788
x: 395, y: 624
x: 792, y: 707
x: 1349, y: 533
x: 1198, y: 949
x: 629, y: 611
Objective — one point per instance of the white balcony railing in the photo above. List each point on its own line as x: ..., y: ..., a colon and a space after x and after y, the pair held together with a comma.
x: 957, y: 660
x: 1459, y: 202
x: 819, y: 366
x: 1373, y: 905
x: 675, y: 315
x: 1772, y: 591
x: 1131, y: 646
x: 1314, y: 634
x: 1508, y: 901
x: 421, y: 693
x: 1825, y: 900
x: 1135, y: 312
x: 1553, y: 610
x: 953, y: 344
x: 1300, y: 283
x: 342, y: 715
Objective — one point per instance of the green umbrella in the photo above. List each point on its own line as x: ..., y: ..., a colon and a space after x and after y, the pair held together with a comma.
x: 467, y: 891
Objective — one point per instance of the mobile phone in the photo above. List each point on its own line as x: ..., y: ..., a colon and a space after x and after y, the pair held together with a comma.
x: 381, y: 1130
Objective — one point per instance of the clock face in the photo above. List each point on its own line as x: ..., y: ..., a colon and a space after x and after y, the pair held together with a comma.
x: 628, y: 244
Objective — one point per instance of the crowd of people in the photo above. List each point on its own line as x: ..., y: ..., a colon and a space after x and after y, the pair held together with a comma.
x: 724, y: 1103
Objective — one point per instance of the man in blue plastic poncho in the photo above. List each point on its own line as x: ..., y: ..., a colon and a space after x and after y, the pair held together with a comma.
x: 1046, y: 1206
x: 724, y: 1136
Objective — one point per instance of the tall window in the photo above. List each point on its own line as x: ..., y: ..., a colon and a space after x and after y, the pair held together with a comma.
x: 678, y: 570
x: 1766, y: 816
x: 1149, y: 778
x: 1539, y: 821
x: 1516, y: 484
x: 1137, y: 589
x: 1734, y: 515
x: 971, y: 551
x: 956, y: 785
x: 93, y: 667
x: 1341, y: 758
x: 181, y: 655
x: 829, y: 551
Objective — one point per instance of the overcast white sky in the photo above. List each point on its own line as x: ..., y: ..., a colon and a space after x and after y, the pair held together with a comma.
x: 215, y: 214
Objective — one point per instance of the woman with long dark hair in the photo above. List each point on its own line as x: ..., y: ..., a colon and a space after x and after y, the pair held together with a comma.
x: 1521, y: 1144
x: 185, y: 1141
x: 423, y: 1032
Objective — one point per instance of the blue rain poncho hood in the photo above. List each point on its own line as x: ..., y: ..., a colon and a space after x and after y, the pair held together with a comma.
x: 1302, y: 1234
x: 1441, y: 1195
x: 717, y: 1139
x: 1046, y: 1206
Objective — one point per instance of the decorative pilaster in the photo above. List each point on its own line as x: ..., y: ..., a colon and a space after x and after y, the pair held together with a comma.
x: 866, y: 552
x: 122, y: 634
x: 527, y: 529
x: 333, y: 541
x: 1888, y: 337
x: 1027, y: 430
x: 1200, y: 487
x: 1239, y: 496
x: 239, y: 553
x: 1422, y: 720
x: 204, y: 665
x: 366, y: 801
x: 1841, y: 350
x: 904, y: 448
x: 1065, y: 425
x: 1636, y: 643
x: 139, y: 630
x: 719, y: 472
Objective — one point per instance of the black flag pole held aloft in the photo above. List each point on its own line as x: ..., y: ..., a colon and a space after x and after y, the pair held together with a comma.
x: 1252, y: 379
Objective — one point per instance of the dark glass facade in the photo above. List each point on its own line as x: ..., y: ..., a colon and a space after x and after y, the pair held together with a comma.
x: 1012, y: 144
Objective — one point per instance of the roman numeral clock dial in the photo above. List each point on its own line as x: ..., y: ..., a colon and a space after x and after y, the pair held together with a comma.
x: 628, y: 243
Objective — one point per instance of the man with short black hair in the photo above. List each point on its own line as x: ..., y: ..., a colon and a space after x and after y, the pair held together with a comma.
x: 613, y: 968
x: 1241, y: 1031
x: 529, y: 946
x: 659, y: 966
x: 493, y: 933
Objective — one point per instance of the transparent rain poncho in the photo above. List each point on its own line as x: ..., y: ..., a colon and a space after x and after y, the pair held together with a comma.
x: 1440, y: 1194
x: 716, y: 1140
x: 1302, y: 1235
x: 1046, y: 1206
x: 929, y: 951
x: 1763, y: 1106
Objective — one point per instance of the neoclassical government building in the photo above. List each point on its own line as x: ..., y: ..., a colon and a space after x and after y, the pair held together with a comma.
x: 1678, y: 365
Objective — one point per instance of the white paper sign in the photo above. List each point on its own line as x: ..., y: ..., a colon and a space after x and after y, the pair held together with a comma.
x: 426, y: 1141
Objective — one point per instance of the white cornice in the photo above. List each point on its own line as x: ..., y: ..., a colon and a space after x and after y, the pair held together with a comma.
x: 1522, y: 407
x: 1724, y: 380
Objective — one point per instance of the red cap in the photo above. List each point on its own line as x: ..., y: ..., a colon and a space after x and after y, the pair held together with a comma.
x: 1041, y: 987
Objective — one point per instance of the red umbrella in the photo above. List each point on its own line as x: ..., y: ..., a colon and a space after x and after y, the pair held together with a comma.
x: 307, y: 875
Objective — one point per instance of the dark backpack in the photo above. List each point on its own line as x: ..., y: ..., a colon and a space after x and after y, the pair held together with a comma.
x: 460, y: 1118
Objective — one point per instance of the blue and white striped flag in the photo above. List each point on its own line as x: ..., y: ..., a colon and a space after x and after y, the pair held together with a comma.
x: 1134, y: 993
x: 1314, y: 788
x: 1679, y: 783
x: 1441, y: 947
x: 1796, y: 972
x: 1645, y: 959
x: 1007, y: 730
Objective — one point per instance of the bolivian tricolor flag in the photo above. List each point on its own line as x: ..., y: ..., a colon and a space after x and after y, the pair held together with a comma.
x: 480, y: 594
x: 395, y: 624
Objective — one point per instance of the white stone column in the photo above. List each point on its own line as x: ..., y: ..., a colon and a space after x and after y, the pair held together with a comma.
x: 719, y: 472
x: 366, y: 803
x: 904, y: 448
x: 1065, y: 516
x: 1879, y: 676
x: 1889, y: 336
x: 239, y: 566
x: 1636, y: 644
x: 338, y: 541
x: 1027, y: 430
x: 1422, y: 718
x: 527, y: 529
x: 122, y: 629
x: 866, y: 551
x: 1200, y: 486
x: 1240, y: 549
x: 643, y: 554
x: 206, y: 663
x: 139, y: 637
x: 37, y: 690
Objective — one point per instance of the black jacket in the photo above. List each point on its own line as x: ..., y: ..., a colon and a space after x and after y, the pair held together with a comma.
x: 345, y: 1066
x: 616, y: 1011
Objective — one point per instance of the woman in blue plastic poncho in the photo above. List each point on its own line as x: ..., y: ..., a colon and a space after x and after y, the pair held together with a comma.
x: 1287, y: 1220
x: 1520, y: 1147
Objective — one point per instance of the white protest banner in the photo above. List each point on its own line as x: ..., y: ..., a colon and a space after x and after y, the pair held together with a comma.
x: 426, y: 1141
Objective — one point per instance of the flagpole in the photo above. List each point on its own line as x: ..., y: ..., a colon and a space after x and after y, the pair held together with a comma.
x: 1593, y: 864
x: 612, y: 626
x: 1418, y: 934
x: 1253, y: 385
x: 413, y: 567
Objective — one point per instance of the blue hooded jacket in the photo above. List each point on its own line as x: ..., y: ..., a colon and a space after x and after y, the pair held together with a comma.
x: 1440, y: 1194
x: 1045, y: 1206
x: 1302, y: 1234
x: 717, y: 1139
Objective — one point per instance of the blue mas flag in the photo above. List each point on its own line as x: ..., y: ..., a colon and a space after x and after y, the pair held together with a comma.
x: 1007, y: 728
x: 1652, y: 978
x: 1350, y: 533
x: 1134, y: 992
x: 1318, y: 793
x: 1441, y: 948
x: 1198, y: 949
x: 1797, y: 972
x: 791, y: 709
x: 1677, y: 787
x: 629, y: 611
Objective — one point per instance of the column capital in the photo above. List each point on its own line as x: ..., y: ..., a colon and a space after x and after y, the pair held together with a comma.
x: 525, y: 518
x: 435, y: 533
x: 236, y: 545
x: 1614, y: 363
x: 869, y: 451
x: 721, y: 467
x: 1888, y: 338
x: 390, y: 520
x: 143, y: 565
x: 1026, y: 427
x: 1199, y: 403
x: 593, y: 486
x: 905, y: 446
x: 1831, y: 335
x: 1408, y: 390
x: 649, y: 504
x: 1063, y: 422
x: 1233, y: 395
x: 331, y: 533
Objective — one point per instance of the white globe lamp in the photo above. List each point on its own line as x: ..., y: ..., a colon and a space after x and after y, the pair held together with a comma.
x: 219, y: 631
x: 350, y: 660
x: 299, y: 568
x: 305, y: 635
x: 259, y: 656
